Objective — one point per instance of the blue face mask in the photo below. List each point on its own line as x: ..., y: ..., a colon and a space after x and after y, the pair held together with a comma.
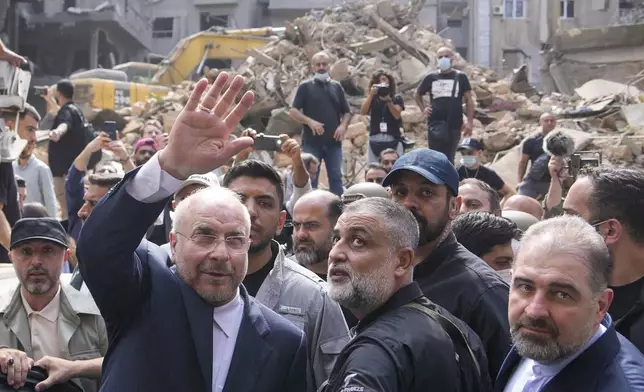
x: 444, y: 63
x: 468, y: 160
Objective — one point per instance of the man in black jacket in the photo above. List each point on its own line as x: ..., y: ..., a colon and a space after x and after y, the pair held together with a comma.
x: 404, y: 343
x: 67, y: 139
x: 426, y: 183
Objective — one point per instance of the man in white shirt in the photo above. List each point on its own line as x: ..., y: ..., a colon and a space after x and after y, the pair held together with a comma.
x: 37, y: 176
x: 564, y: 339
x: 194, y: 328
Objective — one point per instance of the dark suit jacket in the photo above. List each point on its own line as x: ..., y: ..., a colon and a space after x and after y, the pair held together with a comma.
x: 159, y: 328
x: 611, y: 364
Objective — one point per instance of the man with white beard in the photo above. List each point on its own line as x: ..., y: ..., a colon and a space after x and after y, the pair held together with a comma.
x: 314, y: 216
x: 403, y: 342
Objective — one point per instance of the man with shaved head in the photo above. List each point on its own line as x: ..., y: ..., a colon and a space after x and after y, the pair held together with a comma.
x: 321, y: 106
x: 524, y: 204
x: 447, y: 89
x: 314, y: 216
x: 535, y: 183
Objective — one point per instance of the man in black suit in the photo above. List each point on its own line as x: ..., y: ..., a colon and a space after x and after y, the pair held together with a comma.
x: 195, y: 329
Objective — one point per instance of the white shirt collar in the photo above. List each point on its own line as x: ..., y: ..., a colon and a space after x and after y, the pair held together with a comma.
x: 49, y: 312
x: 552, y: 369
x: 223, y: 315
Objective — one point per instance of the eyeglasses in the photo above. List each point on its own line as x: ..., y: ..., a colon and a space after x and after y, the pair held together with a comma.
x: 377, y: 180
x: 234, y: 244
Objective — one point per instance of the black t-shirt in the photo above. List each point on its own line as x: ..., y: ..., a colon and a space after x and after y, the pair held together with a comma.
x: 9, y: 200
x: 323, y: 102
x: 349, y: 317
x: 446, y: 106
x: 625, y: 298
x: 254, y: 281
x: 379, y: 113
x: 63, y: 152
x: 484, y: 174
x: 533, y: 147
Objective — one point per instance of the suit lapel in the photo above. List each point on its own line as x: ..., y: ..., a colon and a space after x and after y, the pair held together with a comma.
x: 584, y: 372
x: 509, y: 364
x: 251, y: 351
x: 200, y: 318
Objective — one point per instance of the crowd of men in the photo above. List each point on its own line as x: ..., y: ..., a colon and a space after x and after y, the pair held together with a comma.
x: 196, y: 267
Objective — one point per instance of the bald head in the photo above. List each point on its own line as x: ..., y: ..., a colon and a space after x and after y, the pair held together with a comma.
x: 548, y: 122
x: 444, y: 51
x: 320, y: 56
x: 524, y: 204
x: 331, y: 202
x: 220, y: 202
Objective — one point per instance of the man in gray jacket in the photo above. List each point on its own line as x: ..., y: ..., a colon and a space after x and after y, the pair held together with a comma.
x: 279, y: 282
x: 42, y: 320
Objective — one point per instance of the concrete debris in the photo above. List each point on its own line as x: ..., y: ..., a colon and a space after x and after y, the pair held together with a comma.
x: 364, y: 37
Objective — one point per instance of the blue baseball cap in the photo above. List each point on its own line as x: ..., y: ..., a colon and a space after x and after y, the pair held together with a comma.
x: 431, y: 164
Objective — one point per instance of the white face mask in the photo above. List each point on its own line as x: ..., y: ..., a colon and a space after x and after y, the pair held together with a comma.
x: 444, y: 63
x: 468, y: 160
x: 321, y: 77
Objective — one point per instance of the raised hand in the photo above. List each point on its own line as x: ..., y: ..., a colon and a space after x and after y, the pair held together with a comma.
x: 199, y: 141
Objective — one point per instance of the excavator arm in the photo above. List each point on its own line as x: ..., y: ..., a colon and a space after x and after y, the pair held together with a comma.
x: 191, y: 53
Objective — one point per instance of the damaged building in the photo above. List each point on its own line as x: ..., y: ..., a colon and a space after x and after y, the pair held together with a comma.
x: 65, y: 36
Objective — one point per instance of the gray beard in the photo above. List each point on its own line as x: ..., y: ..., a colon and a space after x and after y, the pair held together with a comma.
x: 548, y: 350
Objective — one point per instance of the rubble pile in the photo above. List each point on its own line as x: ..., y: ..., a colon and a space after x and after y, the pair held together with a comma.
x: 364, y: 37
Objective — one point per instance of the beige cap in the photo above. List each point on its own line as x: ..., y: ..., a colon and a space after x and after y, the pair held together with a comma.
x: 523, y: 220
x: 364, y: 190
x: 208, y: 180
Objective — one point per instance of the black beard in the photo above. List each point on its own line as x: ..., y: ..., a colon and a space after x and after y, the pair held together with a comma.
x: 429, y: 233
x: 256, y: 248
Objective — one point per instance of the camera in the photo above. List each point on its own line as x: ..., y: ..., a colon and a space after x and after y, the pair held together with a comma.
x: 382, y: 90
x: 583, y: 159
x: 575, y: 163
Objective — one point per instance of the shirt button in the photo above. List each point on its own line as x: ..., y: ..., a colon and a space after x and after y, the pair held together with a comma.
x: 36, y: 332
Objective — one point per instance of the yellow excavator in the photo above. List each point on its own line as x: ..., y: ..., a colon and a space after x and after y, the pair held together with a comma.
x: 131, y: 82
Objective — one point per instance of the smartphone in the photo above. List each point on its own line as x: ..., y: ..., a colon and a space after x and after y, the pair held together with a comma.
x: 40, y: 90
x: 267, y: 143
x: 110, y: 128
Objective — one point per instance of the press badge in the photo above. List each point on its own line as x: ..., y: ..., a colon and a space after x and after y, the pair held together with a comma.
x: 383, y: 127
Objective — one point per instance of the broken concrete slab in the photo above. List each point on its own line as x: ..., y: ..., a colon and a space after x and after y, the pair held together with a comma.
x: 281, y: 123
x: 597, y: 88
x: 634, y: 114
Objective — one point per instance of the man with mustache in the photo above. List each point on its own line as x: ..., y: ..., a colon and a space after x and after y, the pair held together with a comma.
x: 425, y: 182
x: 564, y: 339
x: 279, y: 282
x: 404, y: 342
x: 314, y: 217
x: 193, y: 328
x: 43, y: 320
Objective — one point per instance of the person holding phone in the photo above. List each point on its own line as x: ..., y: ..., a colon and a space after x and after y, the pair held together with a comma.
x: 383, y: 107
